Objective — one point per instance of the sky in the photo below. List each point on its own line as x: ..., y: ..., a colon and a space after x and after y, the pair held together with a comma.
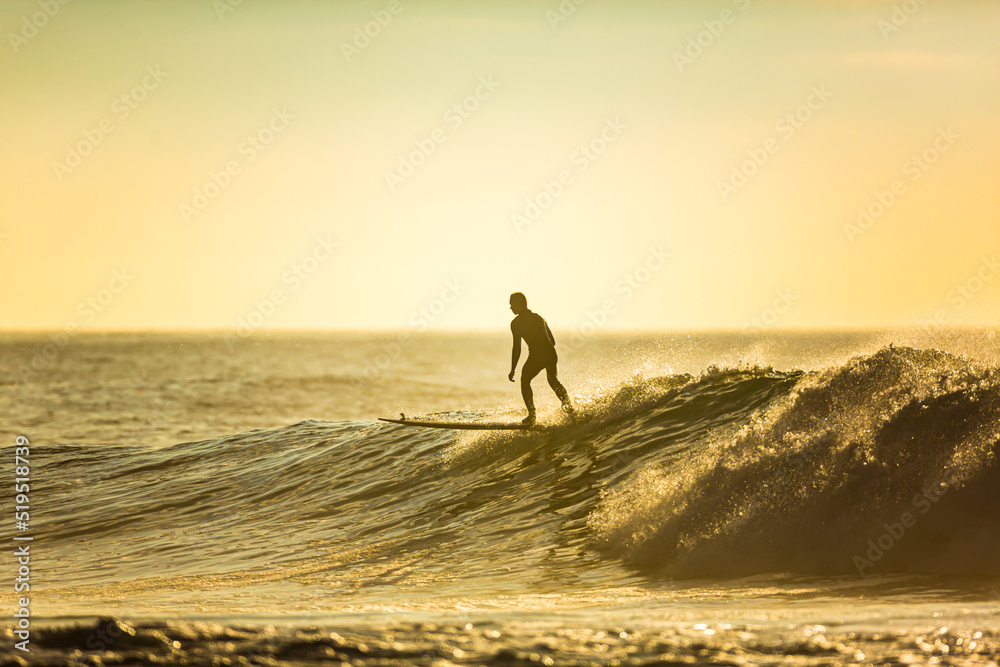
x: 407, y: 164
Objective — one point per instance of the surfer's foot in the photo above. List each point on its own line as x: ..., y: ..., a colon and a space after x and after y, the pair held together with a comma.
x: 568, y: 409
x: 529, y: 420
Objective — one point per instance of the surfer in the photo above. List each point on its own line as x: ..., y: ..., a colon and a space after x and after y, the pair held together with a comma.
x: 541, y: 354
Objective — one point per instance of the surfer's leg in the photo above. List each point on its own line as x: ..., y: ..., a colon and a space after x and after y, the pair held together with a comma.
x: 530, y: 369
x: 551, y: 374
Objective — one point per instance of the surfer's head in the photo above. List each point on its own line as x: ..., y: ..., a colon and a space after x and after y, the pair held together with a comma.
x: 518, y: 303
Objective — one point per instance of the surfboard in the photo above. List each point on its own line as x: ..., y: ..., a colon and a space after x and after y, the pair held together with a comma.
x: 467, y: 426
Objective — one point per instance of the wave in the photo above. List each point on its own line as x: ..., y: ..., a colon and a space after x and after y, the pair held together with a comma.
x: 886, y: 463
x: 727, y: 473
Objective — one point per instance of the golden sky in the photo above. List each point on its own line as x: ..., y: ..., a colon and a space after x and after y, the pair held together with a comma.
x: 409, y: 163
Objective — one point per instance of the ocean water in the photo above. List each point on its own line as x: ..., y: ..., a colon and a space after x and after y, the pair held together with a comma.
x: 794, y: 498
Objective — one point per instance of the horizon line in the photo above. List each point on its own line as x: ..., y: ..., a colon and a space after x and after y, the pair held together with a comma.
x: 483, y: 330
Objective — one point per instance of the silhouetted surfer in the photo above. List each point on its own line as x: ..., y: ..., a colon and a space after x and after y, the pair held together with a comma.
x: 541, y: 354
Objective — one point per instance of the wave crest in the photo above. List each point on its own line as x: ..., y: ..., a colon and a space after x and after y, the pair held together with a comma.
x: 885, y: 463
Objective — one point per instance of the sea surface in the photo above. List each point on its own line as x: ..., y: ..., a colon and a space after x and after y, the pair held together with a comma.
x: 796, y: 498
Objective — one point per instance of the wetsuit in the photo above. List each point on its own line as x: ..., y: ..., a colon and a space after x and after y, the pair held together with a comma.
x: 532, y: 328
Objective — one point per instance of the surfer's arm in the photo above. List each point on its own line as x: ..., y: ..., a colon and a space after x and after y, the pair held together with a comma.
x: 548, y: 332
x: 515, y: 352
